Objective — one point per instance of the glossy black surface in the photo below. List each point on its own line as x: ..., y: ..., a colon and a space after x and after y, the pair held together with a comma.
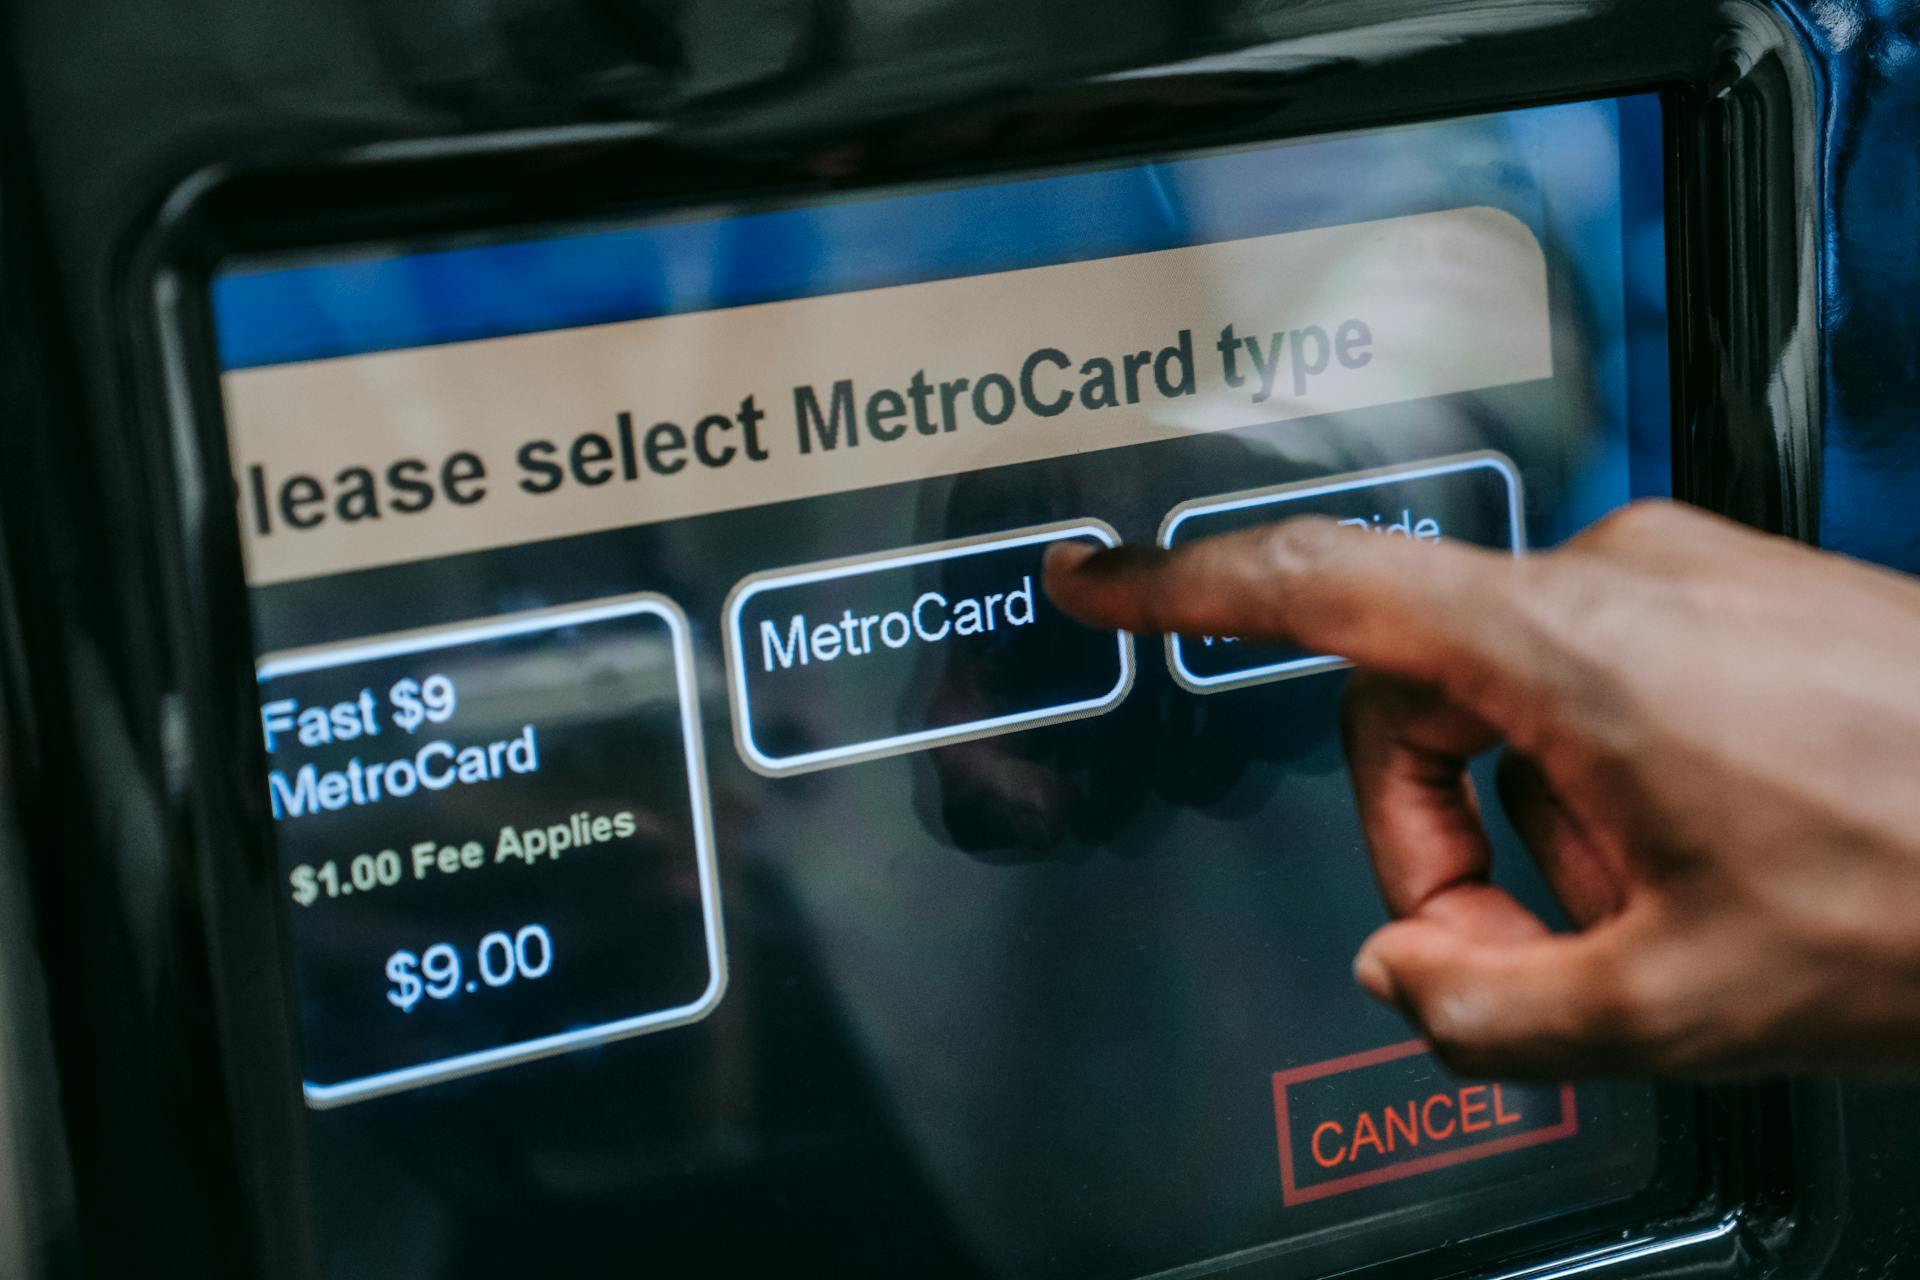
x: 1059, y: 969
x: 132, y: 685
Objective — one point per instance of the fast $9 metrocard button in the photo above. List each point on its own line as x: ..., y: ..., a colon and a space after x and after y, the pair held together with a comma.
x: 495, y: 840
x: 1473, y: 498
x: 905, y: 650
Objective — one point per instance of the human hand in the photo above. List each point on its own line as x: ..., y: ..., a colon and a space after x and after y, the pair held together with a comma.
x: 1712, y: 749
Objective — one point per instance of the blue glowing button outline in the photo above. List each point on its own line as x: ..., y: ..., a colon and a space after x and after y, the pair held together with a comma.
x: 924, y: 739
x: 1485, y: 459
x: 320, y: 1097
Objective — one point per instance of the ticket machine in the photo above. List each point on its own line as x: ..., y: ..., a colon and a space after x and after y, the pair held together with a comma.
x: 539, y: 743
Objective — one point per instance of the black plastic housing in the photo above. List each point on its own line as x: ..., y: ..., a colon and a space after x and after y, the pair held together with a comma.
x: 151, y: 862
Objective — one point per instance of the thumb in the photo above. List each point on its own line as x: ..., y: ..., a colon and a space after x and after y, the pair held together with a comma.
x: 1552, y: 1006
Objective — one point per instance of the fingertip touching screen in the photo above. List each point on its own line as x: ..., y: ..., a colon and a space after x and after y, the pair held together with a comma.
x: 703, y: 841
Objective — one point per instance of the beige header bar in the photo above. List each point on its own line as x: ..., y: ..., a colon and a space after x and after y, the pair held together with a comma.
x: 369, y: 460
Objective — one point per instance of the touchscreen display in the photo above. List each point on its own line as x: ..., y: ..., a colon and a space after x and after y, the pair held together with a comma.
x: 704, y: 844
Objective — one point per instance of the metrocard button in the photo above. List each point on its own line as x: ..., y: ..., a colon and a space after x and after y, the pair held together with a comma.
x: 1472, y: 498
x: 1393, y: 1113
x: 878, y: 655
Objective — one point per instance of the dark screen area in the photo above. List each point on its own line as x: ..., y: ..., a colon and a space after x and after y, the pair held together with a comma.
x: 1054, y: 979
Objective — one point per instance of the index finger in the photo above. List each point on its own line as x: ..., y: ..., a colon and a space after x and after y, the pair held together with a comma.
x: 1444, y: 614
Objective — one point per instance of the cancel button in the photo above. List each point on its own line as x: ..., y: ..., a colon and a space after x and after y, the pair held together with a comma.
x: 852, y: 660
x: 1396, y: 1113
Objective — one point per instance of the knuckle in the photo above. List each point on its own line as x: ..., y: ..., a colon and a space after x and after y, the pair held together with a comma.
x: 1626, y: 1011
x: 1577, y: 620
x: 1617, y: 1015
x: 1294, y: 546
x: 1563, y: 600
x: 1486, y: 593
x: 1674, y: 1018
x: 1638, y: 520
x: 1457, y: 1021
